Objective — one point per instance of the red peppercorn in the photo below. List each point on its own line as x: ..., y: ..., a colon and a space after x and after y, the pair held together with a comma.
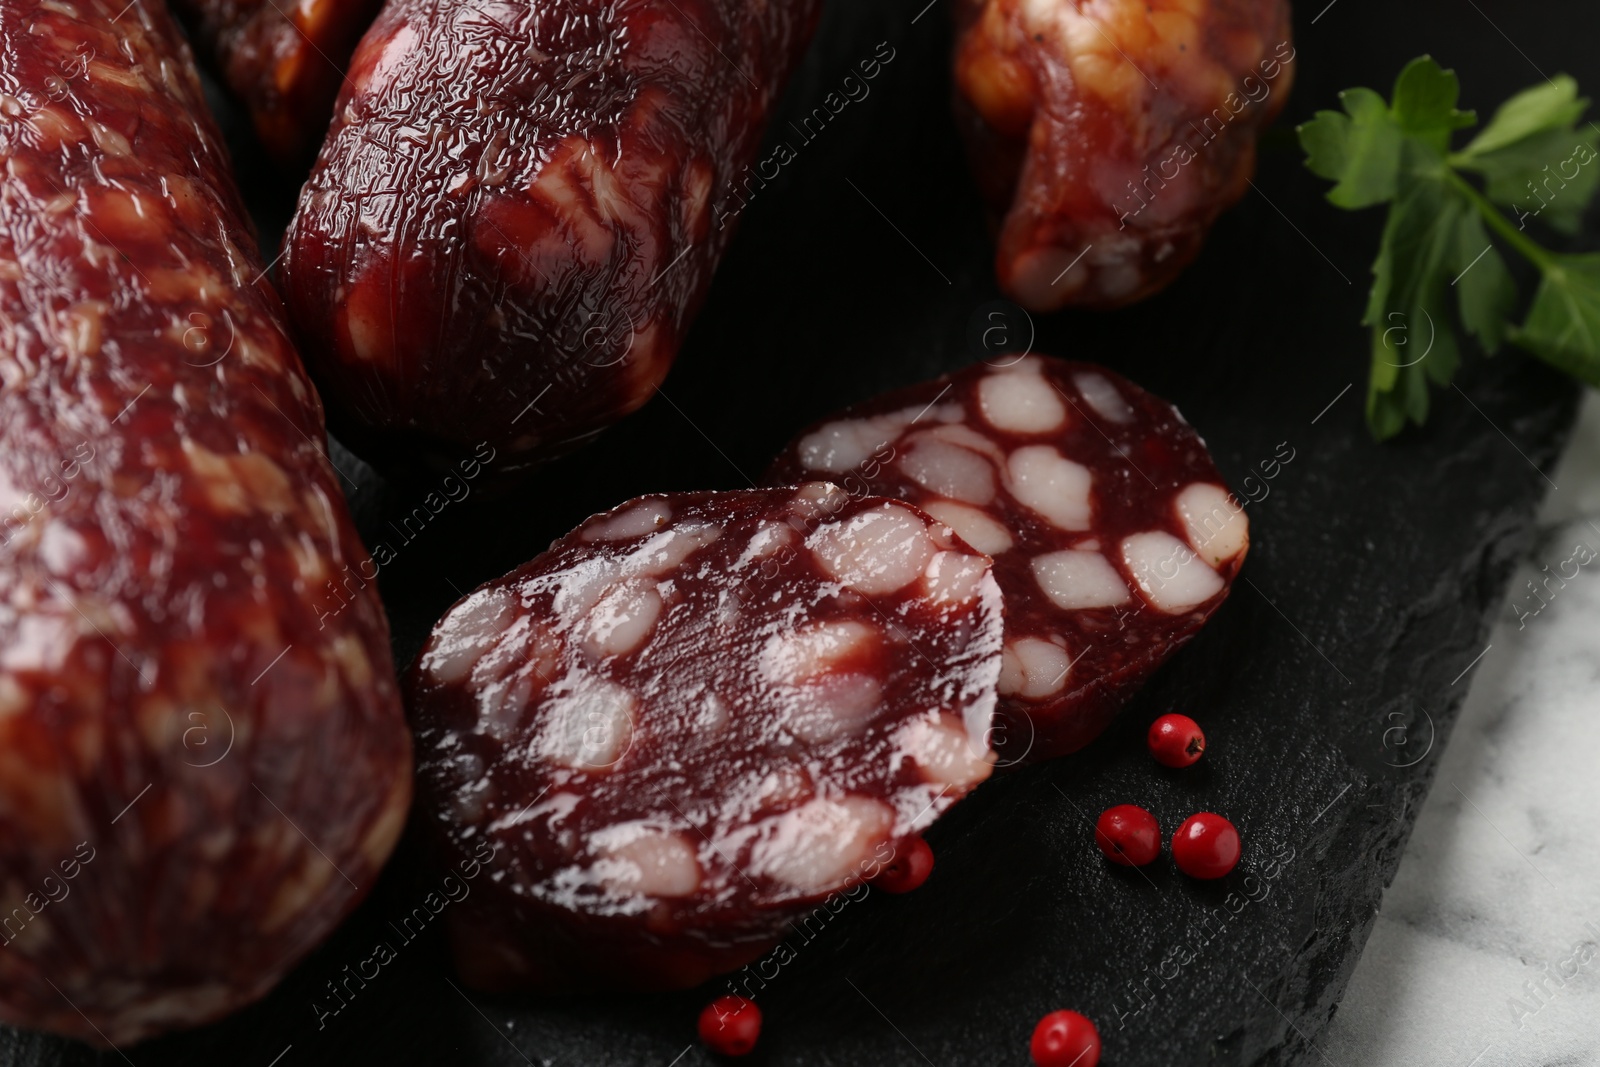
x: 912, y: 863
x: 730, y: 1025
x: 1128, y: 835
x: 1176, y: 740
x: 1065, y: 1039
x: 1205, y: 846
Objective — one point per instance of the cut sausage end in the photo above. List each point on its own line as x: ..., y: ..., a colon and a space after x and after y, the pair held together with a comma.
x: 1087, y: 492
x: 734, y: 710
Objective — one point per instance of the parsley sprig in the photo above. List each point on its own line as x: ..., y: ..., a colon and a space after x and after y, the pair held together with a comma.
x: 1531, y: 159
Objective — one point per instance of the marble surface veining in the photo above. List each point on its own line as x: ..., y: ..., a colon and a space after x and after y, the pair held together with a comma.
x: 1486, y: 952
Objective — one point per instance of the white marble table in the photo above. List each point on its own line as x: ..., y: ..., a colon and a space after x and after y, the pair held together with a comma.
x: 1486, y: 952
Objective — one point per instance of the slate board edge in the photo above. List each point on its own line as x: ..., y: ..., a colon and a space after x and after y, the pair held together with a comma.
x: 1315, y: 1003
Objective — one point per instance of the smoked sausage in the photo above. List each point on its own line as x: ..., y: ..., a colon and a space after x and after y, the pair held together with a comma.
x: 1110, y: 134
x: 203, y: 757
x: 517, y: 213
x: 1114, y: 538
x: 283, y: 60
x: 693, y: 720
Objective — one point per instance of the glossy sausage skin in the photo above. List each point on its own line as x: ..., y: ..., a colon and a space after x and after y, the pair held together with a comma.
x: 284, y: 60
x: 203, y: 758
x: 694, y: 720
x: 1110, y: 134
x: 518, y: 211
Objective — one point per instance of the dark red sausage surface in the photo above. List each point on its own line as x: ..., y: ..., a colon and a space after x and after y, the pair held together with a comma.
x: 693, y: 720
x: 518, y: 210
x: 1113, y: 535
x: 1110, y: 135
x: 284, y: 60
x: 203, y: 761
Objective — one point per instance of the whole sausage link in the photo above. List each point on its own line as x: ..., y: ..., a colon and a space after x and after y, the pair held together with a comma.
x: 203, y: 759
x: 1110, y: 134
x: 285, y: 62
x: 518, y: 211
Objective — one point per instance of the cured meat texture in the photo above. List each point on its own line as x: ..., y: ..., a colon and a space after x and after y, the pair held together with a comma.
x: 518, y: 210
x: 1113, y: 535
x: 285, y: 61
x: 1110, y: 134
x: 202, y: 767
x: 695, y: 718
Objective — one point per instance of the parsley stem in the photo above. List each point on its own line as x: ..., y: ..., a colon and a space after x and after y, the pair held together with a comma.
x: 1502, y: 225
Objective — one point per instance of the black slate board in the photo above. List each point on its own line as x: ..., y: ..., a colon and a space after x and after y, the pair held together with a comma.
x: 1338, y: 661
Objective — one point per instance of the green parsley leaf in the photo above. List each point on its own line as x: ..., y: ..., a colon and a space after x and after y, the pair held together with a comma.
x: 1414, y: 337
x: 1441, y: 230
x: 1425, y: 103
x: 1485, y: 293
x: 1534, y: 159
x: 1359, y: 149
x: 1554, y: 105
x: 1563, y: 326
x: 1549, y: 176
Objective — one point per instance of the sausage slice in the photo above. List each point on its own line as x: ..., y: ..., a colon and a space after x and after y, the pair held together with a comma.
x: 1114, y: 538
x: 692, y: 720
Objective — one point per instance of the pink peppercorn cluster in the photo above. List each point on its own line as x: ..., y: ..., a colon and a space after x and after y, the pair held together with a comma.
x: 1205, y: 846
